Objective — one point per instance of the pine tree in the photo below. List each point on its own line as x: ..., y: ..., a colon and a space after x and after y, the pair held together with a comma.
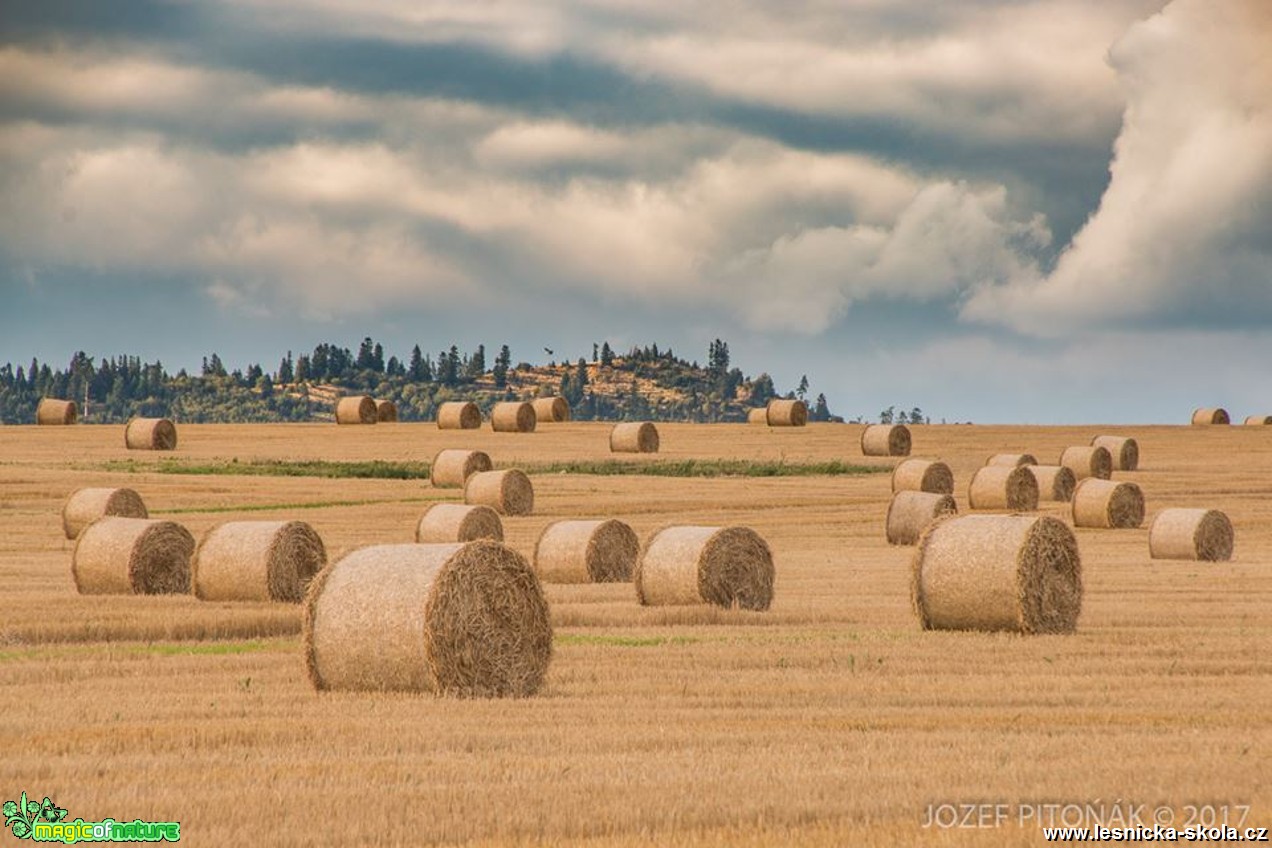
x: 286, y: 372
x: 416, y: 369
x: 821, y: 410
x: 502, y: 361
x: 803, y: 387
x: 607, y: 355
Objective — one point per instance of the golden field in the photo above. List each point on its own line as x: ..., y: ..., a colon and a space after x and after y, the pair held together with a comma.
x: 832, y: 719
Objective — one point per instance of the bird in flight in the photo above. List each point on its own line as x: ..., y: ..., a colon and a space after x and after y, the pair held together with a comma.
x: 549, y: 351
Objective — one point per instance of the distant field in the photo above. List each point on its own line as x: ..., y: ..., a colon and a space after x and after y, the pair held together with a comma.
x: 829, y: 720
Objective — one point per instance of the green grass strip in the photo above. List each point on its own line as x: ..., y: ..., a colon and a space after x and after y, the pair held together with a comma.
x: 273, y: 506
x: 705, y: 468
x: 164, y: 649
x: 624, y: 641
x: 375, y: 469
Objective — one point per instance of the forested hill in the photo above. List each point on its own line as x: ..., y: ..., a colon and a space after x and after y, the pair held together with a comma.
x: 644, y: 383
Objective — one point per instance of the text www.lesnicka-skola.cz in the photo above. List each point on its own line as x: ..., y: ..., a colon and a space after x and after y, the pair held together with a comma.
x: 1156, y: 833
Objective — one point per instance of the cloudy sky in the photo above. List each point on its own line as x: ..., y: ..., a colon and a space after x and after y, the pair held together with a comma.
x: 998, y: 210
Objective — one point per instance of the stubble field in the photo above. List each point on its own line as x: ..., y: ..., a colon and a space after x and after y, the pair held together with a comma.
x: 832, y: 719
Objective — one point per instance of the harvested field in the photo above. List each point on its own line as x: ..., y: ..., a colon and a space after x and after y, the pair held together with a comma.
x: 832, y: 718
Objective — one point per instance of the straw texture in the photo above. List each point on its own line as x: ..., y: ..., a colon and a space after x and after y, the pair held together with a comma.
x: 452, y: 466
x: 150, y: 434
x: 447, y: 522
x: 358, y: 409
x: 921, y: 475
x: 1012, y: 459
x: 911, y: 512
x: 507, y: 492
x: 458, y: 415
x: 386, y: 411
x: 1003, y: 487
x: 549, y: 410
x: 468, y: 620
x: 53, y: 411
x: 725, y: 566
x: 1206, y: 416
x: 602, y: 551
x: 85, y: 506
x: 1087, y: 462
x: 787, y: 413
x: 1200, y: 534
x: 513, y: 417
x: 257, y: 561
x: 1258, y: 420
x: 132, y: 556
x: 998, y: 572
x: 1123, y: 450
x: 886, y: 440
x: 1107, y: 504
x: 634, y: 437
x: 757, y: 416
x: 1055, y: 482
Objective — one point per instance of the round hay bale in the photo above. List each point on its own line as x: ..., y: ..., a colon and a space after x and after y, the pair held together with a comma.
x: 725, y: 566
x: 452, y: 466
x: 1012, y: 460
x: 1258, y: 420
x: 386, y: 411
x: 911, y: 512
x: 1206, y: 416
x: 458, y: 415
x: 586, y: 552
x: 1180, y: 533
x: 513, y: 417
x: 53, y: 411
x: 1003, y: 487
x: 1122, y: 449
x: 634, y: 437
x: 257, y: 561
x: 886, y: 440
x: 921, y: 475
x: 447, y: 522
x: 507, y: 492
x: 1108, y: 504
x: 786, y: 413
x: 757, y: 416
x: 85, y: 506
x: 1018, y: 573
x: 1055, y: 482
x: 1087, y: 462
x: 551, y: 409
x: 466, y: 619
x: 132, y: 556
x: 150, y: 434
x: 357, y: 409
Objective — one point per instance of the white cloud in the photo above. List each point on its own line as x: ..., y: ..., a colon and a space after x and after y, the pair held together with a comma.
x: 1184, y: 230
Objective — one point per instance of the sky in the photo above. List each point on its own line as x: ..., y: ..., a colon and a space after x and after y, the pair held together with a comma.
x: 1016, y: 211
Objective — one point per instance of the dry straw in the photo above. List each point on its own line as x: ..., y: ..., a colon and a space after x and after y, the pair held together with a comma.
x: 1087, y: 462
x: 548, y: 410
x: 150, y: 434
x: 1204, y: 534
x: 726, y: 566
x: 468, y: 620
x: 458, y: 523
x: 1123, y: 450
x: 1012, y: 460
x: 452, y: 466
x: 757, y: 416
x: 1107, y: 504
x: 921, y: 475
x: 1258, y: 420
x: 53, y: 411
x: 358, y: 409
x: 634, y: 437
x: 1055, y: 482
x: 132, y: 556
x: 586, y: 552
x: 911, y: 512
x: 513, y: 417
x: 998, y: 572
x: 386, y: 411
x: 1003, y: 487
x: 1210, y: 415
x: 507, y: 492
x: 257, y: 561
x: 85, y: 506
x: 458, y: 415
x: 886, y: 440
x: 787, y: 413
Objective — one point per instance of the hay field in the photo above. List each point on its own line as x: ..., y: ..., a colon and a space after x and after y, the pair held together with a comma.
x: 829, y: 720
